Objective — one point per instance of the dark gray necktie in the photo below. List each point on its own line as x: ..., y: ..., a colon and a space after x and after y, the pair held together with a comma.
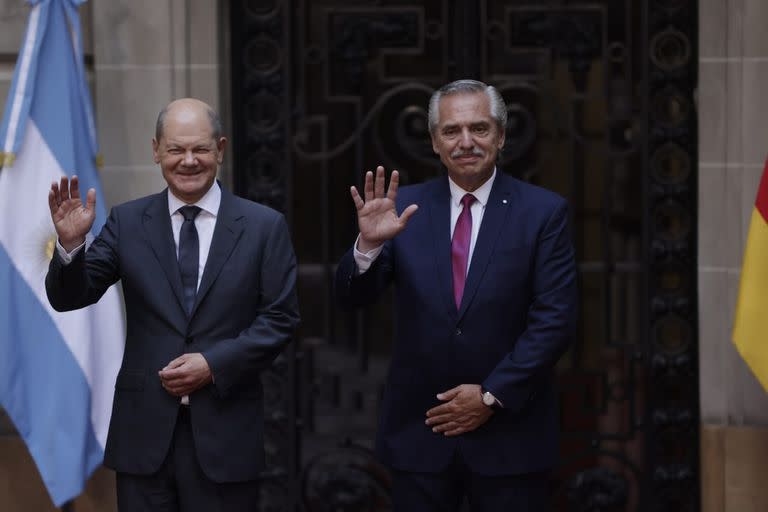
x: 189, y: 255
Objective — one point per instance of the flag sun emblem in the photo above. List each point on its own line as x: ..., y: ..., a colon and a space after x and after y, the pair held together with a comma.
x: 50, y: 245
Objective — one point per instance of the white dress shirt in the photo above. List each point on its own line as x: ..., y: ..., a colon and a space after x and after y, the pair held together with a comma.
x: 365, y: 260
x: 205, y: 222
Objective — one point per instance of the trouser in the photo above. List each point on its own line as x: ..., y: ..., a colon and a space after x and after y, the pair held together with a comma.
x: 180, y: 485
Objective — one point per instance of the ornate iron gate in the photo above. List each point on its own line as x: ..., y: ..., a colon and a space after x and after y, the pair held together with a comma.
x: 601, y: 106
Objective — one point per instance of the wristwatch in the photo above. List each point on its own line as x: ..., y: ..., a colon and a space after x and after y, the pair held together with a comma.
x: 490, y: 400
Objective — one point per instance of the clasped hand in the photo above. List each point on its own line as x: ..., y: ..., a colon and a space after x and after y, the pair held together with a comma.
x: 377, y: 216
x: 463, y: 411
x: 185, y: 374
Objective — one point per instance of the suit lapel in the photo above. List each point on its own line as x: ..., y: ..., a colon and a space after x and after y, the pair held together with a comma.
x: 229, y: 226
x: 157, y: 228
x: 439, y: 205
x: 494, y: 219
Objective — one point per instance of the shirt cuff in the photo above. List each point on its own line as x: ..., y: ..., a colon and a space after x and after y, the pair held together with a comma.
x: 67, y: 257
x: 364, y: 260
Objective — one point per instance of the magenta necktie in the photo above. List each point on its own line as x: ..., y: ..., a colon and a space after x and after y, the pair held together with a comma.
x: 462, y: 236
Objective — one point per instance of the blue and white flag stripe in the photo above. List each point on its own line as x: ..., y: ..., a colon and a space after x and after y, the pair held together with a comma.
x: 20, y: 95
x: 57, y: 370
x: 77, y: 45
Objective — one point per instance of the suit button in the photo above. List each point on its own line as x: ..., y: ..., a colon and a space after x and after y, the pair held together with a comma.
x: 458, y: 332
x: 189, y: 339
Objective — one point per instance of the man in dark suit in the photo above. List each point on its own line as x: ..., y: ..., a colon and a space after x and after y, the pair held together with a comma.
x: 209, y: 286
x: 485, y: 298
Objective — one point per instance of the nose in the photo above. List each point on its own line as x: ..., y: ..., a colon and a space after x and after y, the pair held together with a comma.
x: 189, y: 158
x: 465, y: 141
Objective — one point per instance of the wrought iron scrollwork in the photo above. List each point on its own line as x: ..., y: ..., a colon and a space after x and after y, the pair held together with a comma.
x: 573, y: 33
x: 356, y: 38
x: 261, y: 122
x: 347, y: 479
x: 601, y: 110
x: 598, y: 490
x: 371, y: 115
x: 672, y: 444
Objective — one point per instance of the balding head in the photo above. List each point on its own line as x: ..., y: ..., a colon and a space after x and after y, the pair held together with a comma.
x: 189, y: 147
x: 186, y: 108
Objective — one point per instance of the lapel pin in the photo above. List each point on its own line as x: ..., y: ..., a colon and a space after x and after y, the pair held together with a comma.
x: 504, y: 201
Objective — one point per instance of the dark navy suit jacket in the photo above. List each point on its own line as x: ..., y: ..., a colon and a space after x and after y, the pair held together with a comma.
x: 245, y: 312
x: 517, y: 317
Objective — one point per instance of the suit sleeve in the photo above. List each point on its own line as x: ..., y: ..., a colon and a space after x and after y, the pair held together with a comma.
x: 355, y: 290
x: 91, y: 272
x: 552, y: 317
x: 234, y: 361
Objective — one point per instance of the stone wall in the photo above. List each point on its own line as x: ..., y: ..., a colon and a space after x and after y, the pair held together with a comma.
x: 148, y: 52
x: 733, y: 137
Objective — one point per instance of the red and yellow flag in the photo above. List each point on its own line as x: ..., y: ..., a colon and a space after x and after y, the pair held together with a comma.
x: 750, y: 329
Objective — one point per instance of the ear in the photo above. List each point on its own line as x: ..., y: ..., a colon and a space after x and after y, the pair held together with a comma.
x: 155, y: 150
x: 221, y: 144
x: 502, y: 139
x: 434, y: 144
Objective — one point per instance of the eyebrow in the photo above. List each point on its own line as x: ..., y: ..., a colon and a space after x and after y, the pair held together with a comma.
x: 202, y: 144
x: 471, y: 125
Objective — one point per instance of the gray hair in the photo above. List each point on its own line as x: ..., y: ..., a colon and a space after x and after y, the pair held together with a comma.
x: 498, y: 107
x: 213, y: 118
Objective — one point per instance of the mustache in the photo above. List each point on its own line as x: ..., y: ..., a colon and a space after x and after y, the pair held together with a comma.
x: 474, y: 152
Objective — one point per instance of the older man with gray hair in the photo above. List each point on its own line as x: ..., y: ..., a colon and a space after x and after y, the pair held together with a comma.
x: 485, y: 293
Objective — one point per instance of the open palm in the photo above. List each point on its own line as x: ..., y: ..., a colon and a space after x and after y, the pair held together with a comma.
x: 71, y: 218
x: 377, y: 216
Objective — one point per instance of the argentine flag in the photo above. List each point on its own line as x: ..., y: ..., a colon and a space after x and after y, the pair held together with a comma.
x: 57, y: 370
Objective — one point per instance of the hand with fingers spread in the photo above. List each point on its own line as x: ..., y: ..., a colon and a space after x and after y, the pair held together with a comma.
x: 185, y: 374
x: 71, y: 219
x: 462, y: 411
x: 377, y: 216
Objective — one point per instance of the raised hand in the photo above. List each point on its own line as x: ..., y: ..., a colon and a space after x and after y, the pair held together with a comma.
x: 377, y: 216
x: 71, y: 219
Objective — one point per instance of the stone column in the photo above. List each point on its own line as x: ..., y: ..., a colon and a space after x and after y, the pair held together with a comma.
x: 147, y: 53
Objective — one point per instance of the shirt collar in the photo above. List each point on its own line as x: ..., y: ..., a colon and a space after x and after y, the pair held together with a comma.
x: 481, y: 194
x: 210, y: 202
